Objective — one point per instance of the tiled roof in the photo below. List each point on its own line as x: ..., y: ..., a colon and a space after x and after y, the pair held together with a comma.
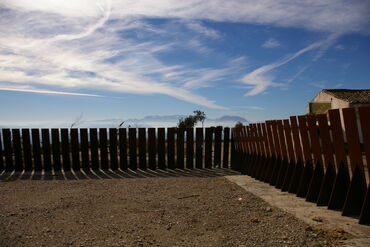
x: 354, y: 96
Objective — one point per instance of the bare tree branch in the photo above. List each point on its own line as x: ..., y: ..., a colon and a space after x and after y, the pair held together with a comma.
x: 77, y: 121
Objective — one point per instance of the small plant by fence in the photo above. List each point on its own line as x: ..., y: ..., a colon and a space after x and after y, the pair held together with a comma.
x: 75, y: 149
x: 317, y: 158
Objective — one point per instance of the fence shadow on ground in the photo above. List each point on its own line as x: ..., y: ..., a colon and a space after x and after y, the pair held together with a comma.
x: 115, y: 174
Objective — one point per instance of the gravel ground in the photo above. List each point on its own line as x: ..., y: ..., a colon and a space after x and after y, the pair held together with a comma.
x: 181, y: 211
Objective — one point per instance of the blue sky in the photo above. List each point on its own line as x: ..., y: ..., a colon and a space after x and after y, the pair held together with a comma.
x: 129, y: 59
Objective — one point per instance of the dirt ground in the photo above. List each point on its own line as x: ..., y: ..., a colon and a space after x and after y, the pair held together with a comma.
x: 155, y: 211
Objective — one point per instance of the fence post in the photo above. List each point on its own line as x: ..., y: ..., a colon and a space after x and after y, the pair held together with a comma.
x: 308, y: 169
x: 56, y: 149
x: 330, y: 173
x: 104, y: 165
x: 357, y: 189
x: 272, y: 160
x: 290, y: 156
x: 298, y: 169
x: 65, y: 150
x: 113, y: 148
x: 180, y: 148
x: 225, y: 160
x: 36, y: 149
x: 46, y: 149
x: 246, y: 145
x: 84, y: 149
x: 255, y: 141
x: 94, y: 149
x: 260, y: 158
x: 342, y: 180
x: 161, y: 148
x: 1, y: 155
x: 284, y: 156
x: 75, y: 150
x: 237, y: 142
x: 232, y: 150
x: 244, y: 157
x: 365, y: 121
x: 278, y: 160
x: 262, y: 172
x: 26, y: 141
x: 17, y: 148
x: 190, y: 148
x: 123, y: 149
x: 132, y: 148
x: 246, y: 150
x: 217, y: 148
x: 318, y: 173
x: 199, y: 148
x: 171, y: 148
x: 208, y: 148
x: 152, y: 148
x: 142, y: 149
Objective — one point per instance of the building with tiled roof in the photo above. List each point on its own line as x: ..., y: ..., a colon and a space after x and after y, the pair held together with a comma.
x: 338, y: 98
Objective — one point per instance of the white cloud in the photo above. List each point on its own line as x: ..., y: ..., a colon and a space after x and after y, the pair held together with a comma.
x: 205, y: 77
x: 339, y: 47
x: 260, y: 79
x: 320, y: 15
x: 339, y: 85
x: 259, y: 108
x: 239, y: 60
x: 301, y: 69
x: 79, y: 44
x: 199, y: 28
x: 256, y: 108
x: 47, y: 92
x: 92, y: 58
x: 320, y: 85
x: 271, y: 43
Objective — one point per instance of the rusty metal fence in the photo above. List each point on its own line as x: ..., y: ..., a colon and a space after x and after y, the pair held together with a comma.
x: 323, y: 158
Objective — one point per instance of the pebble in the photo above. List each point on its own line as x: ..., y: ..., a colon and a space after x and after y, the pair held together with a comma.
x: 318, y: 219
x: 254, y: 220
x: 268, y: 209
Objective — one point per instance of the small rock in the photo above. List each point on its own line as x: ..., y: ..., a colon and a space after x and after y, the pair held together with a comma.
x: 254, y: 220
x: 283, y: 237
x: 268, y: 209
x: 309, y: 229
x: 340, y: 230
x: 318, y: 219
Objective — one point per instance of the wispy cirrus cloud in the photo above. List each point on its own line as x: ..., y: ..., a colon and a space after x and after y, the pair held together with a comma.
x: 252, y: 107
x: 201, y: 29
x: 320, y: 85
x: 261, y: 78
x: 30, y: 90
x: 339, y: 85
x: 94, y: 58
x: 77, y: 45
x: 318, y: 15
x: 271, y: 43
